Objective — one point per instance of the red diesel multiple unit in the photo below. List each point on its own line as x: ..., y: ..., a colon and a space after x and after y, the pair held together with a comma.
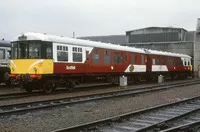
x: 45, y: 62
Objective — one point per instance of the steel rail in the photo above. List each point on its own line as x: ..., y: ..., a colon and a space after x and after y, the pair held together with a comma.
x: 186, y: 127
x: 40, y: 93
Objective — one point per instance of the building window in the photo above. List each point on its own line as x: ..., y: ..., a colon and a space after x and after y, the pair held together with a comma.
x: 106, y: 57
x: 77, y: 54
x: 62, y: 53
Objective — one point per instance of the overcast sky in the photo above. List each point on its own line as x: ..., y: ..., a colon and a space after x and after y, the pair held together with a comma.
x: 94, y: 17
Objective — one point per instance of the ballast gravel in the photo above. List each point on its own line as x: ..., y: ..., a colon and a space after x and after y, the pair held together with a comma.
x: 61, y: 117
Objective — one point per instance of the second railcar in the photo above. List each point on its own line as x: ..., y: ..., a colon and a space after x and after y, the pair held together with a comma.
x: 5, y: 53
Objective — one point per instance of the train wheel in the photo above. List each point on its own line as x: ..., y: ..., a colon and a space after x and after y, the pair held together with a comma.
x: 49, y: 86
x: 8, y: 83
x: 27, y: 87
x: 149, y: 78
x: 6, y: 76
x: 70, y: 86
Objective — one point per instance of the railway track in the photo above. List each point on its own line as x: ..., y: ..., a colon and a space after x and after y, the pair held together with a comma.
x: 30, y: 106
x: 61, y: 91
x: 40, y: 93
x: 148, y: 120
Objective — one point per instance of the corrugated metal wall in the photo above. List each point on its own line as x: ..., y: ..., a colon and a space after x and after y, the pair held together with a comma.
x: 197, y: 48
x: 154, y: 37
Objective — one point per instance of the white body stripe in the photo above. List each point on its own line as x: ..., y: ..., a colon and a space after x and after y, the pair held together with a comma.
x: 38, y: 61
x: 13, y: 63
x: 159, y: 68
x: 137, y: 68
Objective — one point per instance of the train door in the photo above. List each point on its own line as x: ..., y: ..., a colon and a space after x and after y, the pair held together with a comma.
x: 120, y: 61
x: 87, y: 60
x: 149, y: 63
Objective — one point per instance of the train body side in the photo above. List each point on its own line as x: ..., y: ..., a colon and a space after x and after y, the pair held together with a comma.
x: 5, y: 53
x: 169, y: 66
x: 48, y: 61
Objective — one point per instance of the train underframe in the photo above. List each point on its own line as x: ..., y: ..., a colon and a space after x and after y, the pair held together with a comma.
x: 48, y: 83
x: 4, y: 75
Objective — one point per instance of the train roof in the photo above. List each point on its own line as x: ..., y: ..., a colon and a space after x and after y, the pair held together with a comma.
x: 4, y: 43
x: 74, y: 41
x: 155, y: 52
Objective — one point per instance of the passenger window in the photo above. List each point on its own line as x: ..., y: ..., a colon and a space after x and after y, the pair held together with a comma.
x: 157, y: 61
x: 77, y: 54
x: 87, y: 55
x: 136, y: 59
x: 163, y: 60
x: 2, y: 53
x: 142, y: 59
x: 106, y: 57
x: 48, y: 52
x: 116, y: 59
x: 125, y: 58
x: 132, y: 59
x: 173, y: 62
x: 8, y: 54
x: 96, y: 56
x: 121, y: 60
x: 62, y: 55
x: 154, y: 62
